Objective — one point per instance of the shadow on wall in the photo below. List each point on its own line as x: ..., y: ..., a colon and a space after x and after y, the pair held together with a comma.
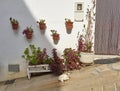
x: 13, y: 44
x: 19, y: 10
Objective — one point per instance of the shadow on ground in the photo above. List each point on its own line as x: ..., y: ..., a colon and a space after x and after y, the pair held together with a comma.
x: 107, y: 61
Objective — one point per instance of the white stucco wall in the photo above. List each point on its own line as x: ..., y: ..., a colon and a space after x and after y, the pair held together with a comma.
x: 27, y: 12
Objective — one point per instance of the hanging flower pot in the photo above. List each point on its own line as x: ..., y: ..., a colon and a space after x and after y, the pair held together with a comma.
x: 14, y: 23
x: 28, y: 32
x: 68, y: 24
x: 29, y: 35
x: 42, y: 24
x: 55, y: 35
x: 15, y: 26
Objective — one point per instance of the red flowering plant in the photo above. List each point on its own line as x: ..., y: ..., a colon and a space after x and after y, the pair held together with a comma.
x: 57, y: 66
x: 28, y: 32
x: 72, y: 59
x: 84, y: 45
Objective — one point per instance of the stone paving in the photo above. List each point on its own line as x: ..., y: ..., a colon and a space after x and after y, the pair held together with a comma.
x: 97, y: 77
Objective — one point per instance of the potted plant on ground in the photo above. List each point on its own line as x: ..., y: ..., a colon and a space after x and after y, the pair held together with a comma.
x: 68, y: 24
x: 30, y: 55
x: 87, y: 56
x: 58, y: 64
x: 15, y: 23
x: 72, y: 59
x: 42, y: 24
x: 28, y: 32
x: 85, y: 42
x: 37, y: 60
x: 55, y: 35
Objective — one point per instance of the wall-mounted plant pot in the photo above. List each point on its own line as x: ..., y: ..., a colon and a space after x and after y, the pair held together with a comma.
x: 29, y: 35
x: 15, y: 26
x: 28, y: 32
x: 14, y: 23
x: 69, y: 26
x: 56, y: 37
x: 42, y: 26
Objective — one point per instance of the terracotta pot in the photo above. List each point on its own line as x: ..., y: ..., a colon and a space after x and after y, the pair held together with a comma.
x: 42, y: 26
x: 56, y: 37
x: 69, y: 25
x: 15, y: 26
x: 29, y: 35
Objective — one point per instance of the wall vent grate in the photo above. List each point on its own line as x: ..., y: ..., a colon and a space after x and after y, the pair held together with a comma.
x: 13, y: 68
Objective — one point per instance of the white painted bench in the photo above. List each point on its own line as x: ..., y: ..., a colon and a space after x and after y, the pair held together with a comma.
x: 37, y: 69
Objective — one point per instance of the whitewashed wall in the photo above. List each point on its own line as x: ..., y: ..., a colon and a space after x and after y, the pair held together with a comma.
x: 27, y: 12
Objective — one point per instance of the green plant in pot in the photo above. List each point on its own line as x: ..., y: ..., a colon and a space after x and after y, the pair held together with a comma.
x: 68, y: 24
x: 55, y: 35
x: 15, y: 23
x: 30, y: 54
x: 43, y: 57
x: 42, y: 24
x: 48, y: 61
x: 35, y: 56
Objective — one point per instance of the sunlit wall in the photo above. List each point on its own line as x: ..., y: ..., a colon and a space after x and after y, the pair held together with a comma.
x: 27, y: 12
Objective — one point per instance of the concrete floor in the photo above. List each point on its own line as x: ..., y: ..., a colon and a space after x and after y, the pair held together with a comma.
x: 97, y: 77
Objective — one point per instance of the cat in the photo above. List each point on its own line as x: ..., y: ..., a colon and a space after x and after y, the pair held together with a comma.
x: 63, y: 77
